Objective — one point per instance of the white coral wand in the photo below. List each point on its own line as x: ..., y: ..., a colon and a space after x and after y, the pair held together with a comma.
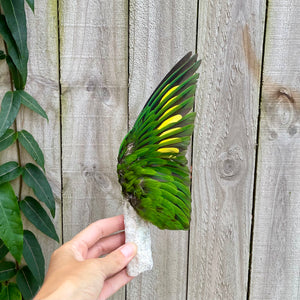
x: 138, y: 231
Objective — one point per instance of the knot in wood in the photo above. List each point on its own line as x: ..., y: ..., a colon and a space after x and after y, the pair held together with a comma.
x: 95, y: 179
x: 273, y: 135
x: 292, y: 130
x: 286, y: 93
x: 229, y: 163
x: 285, y: 113
x: 88, y: 171
x: 285, y: 106
x: 91, y: 85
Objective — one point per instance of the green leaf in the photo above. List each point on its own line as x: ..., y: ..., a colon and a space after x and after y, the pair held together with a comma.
x: 9, y: 171
x: 7, y: 270
x: 31, y: 103
x: 11, y: 227
x: 36, y: 214
x: 31, y: 4
x: 3, y: 249
x: 15, y: 17
x: 27, y: 283
x: 19, y: 61
x: 16, y: 76
x: 10, y: 292
x: 7, y: 139
x: 36, y: 179
x: 31, y: 146
x: 9, y: 109
x: 33, y: 256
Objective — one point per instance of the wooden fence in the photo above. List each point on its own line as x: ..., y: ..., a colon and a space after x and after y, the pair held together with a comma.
x: 92, y: 66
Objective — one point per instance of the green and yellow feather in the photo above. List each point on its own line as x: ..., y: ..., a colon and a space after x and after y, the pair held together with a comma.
x: 152, y: 167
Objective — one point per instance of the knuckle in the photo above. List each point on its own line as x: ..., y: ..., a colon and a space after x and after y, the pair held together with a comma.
x: 61, y: 251
x: 111, y: 286
x: 99, y: 267
x: 56, y: 252
x: 100, y: 248
x: 110, y: 264
x: 116, y: 259
x: 120, y: 260
x: 100, y: 230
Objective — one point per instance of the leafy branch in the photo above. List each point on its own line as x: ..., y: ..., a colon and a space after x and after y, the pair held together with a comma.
x: 13, y: 238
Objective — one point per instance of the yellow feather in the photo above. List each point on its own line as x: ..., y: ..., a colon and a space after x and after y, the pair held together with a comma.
x: 168, y: 150
x: 175, y: 140
x: 170, y: 100
x: 169, y: 131
x: 169, y: 110
x: 168, y: 93
x: 173, y: 119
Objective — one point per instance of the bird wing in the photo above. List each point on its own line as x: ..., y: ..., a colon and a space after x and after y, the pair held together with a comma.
x: 152, y: 167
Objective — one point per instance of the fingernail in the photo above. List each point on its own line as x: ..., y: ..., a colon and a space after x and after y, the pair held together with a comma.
x: 128, y: 250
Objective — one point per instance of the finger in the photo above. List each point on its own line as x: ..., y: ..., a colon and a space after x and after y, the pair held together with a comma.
x: 114, y: 283
x: 117, y: 260
x: 99, y: 229
x: 106, y: 245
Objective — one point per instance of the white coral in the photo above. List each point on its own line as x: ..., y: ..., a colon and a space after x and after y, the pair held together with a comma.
x: 138, y: 231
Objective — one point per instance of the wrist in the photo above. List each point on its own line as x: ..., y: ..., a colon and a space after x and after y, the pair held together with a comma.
x: 65, y: 291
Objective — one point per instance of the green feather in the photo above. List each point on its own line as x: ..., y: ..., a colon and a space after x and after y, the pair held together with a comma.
x: 152, y: 167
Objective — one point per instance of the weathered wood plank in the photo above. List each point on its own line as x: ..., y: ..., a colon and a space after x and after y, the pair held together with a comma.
x: 230, y: 42
x: 94, y: 109
x: 276, y: 245
x: 43, y: 85
x: 160, y: 33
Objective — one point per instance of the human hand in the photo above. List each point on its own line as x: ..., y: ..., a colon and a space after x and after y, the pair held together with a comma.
x: 76, y: 272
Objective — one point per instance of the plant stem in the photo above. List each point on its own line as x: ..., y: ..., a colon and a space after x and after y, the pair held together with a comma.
x: 18, y: 146
x: 19, y: 161
x: 16, y: 129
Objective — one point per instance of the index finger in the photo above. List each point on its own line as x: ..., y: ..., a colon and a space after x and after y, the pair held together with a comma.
x: 99, y: 229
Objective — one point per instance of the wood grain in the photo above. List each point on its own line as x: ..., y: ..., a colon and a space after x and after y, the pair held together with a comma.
x: 212, y: 261
x: 276, y: 245
x: 160, y: 33
x: 94, y: 109
x: 230, y: 36
x: 43, y: 85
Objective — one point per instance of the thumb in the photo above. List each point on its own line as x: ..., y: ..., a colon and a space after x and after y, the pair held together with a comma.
x: 117, y: 260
